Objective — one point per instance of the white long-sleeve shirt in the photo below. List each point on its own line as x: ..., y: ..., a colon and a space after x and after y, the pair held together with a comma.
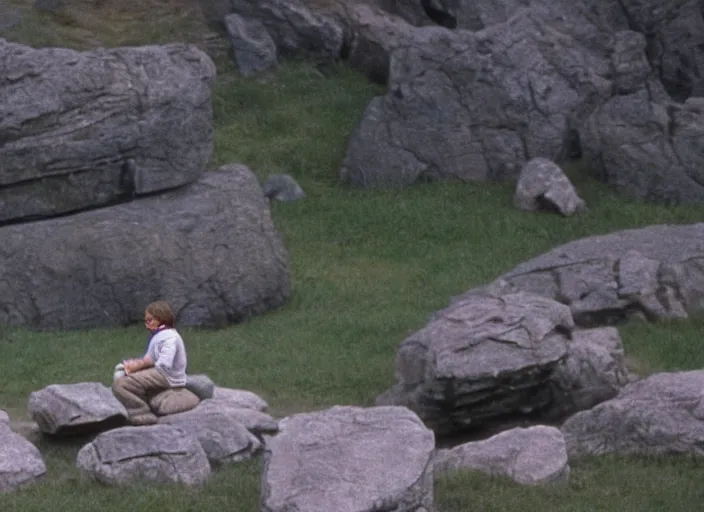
x: 168, y: 352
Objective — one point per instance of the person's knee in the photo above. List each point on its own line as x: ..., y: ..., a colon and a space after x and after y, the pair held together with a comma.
x: 118, y: 385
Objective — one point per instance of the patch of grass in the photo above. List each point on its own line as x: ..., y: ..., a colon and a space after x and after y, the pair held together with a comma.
x: 625, y: 484
x: 368, y: 268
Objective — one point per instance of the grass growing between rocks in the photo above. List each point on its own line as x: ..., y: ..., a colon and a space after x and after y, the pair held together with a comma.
x: 368, y: 268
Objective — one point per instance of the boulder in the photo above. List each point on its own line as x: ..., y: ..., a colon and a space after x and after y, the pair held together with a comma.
x: 480, y: 360
x: 257, y: 422
x: 593, y: 371
x: 648, y: 149
x: 254, y: 48
x: 659, y: 415
x: 157, y: 453
x: 654, y: 272
x: 200, y: 385
x: 296, y: 28
x: 86, y: 129
x: 224, y: 438
x: 282, y: 187
x: 349, y: 459
x: 529, y: 456
x: 240, y: 398
x: 475, y: 106
x: 542, y: 185
x: 76, y: 409
x: 211, y: 248
x: 20, y: 461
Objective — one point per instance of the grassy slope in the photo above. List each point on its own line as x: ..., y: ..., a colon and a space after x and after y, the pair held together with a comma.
x: 368, y: 268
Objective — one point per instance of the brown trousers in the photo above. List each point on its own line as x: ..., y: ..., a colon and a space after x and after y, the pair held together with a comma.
x: 135, y: 390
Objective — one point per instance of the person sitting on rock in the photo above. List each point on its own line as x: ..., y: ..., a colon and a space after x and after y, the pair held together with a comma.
x: 163, y: 367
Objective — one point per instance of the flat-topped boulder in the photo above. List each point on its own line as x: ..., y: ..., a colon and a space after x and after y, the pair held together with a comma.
x: 76, y: 409
x: 81, y: 129
x: 482, y: 359
x: 157, y: 453
x: 20, y: 461
x: 210, y: 247
x: 654, y: 272
x: 349, y: 459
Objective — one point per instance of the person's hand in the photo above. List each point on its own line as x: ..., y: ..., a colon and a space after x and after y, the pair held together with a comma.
x: 131, y: 365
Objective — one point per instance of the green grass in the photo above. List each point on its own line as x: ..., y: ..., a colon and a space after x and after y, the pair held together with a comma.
x: 368, y: 268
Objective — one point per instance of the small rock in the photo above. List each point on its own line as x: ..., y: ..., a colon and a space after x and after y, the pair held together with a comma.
x: 20, y: 461
x: 282, y: 187
x: 543, y: 186
x: 241, y: 398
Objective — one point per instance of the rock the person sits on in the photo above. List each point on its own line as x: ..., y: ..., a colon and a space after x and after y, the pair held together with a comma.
x: 155, y: 384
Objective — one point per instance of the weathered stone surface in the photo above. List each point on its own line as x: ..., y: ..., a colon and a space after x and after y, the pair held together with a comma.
x: 542, y: 185
x: 529, y: 456
x: 661, y: 414
x: 482, y: 359
x: 158, y: 453
x: 475, y: 106
x: 593, y: 371
x: 257, y: 422
x: 674, y: 28
x: 371, y: 37
x: 296, y: 29
x: 224, y: 438
x: 85, y: 129
x: 71, y: 409
x: 201, y: 385
x: 240, y: 398
x: 282, y: 187
x: 650, y: 149
x: 211, y: 248
x: 656, y: 272
x: 349, y: 459
x: 253, y: 46
x: 20, y: 461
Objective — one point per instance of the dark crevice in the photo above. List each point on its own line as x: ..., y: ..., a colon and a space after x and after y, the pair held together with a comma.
x: 439, y: 15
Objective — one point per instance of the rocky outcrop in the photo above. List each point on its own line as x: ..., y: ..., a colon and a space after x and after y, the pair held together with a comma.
x: 659, y: 415
x: 483, y: 359
x: 76, y: 409
x: 211, y: 247
x: 86, y: 129
x: 349, y: 458
x: 21, y: 464
x: 648, y: 149
x: 158, y: 453
x: 654, y: 272
x: 475, y: 106
x: 528, y: 456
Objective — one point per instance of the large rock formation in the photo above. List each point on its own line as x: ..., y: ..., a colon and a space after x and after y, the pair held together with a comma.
x: 653, y: 272
x: 85, y: 129
x: 476, y: 106
x: 211, y: 248
x: 483, y: 359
